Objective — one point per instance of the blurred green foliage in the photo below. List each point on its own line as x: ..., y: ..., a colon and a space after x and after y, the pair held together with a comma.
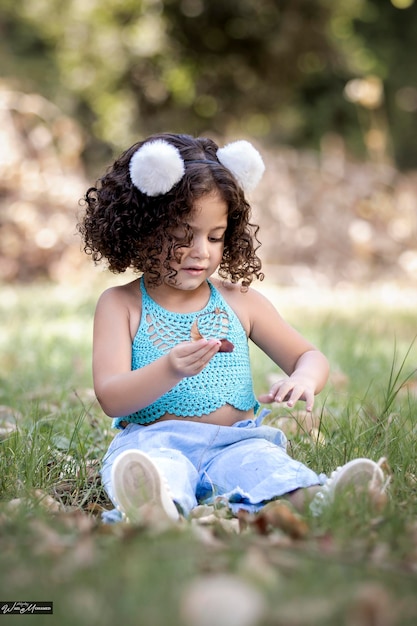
x: 276, y: 70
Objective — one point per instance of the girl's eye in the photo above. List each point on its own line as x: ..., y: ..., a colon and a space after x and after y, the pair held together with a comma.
x: 216, y: 239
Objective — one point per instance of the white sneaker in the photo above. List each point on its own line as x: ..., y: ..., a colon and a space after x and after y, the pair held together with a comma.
x: 358, y: 476
x: 139, y: 489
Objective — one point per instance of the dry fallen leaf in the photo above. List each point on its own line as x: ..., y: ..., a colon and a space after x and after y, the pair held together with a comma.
x: 39, y: 497
x: 8, y: 420
x: 47, y: 502
x: 195, y: 333
x: 255, y: 566
x: 276, y: 514
x: 378, y: 496
x: 317, y: 437
x: 218, y: 523
x: 223, y: 600
x: 339, y: 379
x: 372, y: 604
x: 298, y: 422
x: 225, y: 344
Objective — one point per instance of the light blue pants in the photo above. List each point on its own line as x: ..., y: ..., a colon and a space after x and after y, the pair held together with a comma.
x: 246, y: 464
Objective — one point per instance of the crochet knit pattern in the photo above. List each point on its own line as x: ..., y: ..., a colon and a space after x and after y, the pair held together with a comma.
x: 226, y: 379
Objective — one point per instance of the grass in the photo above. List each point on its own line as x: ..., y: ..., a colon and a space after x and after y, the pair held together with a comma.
x: 352, y: 567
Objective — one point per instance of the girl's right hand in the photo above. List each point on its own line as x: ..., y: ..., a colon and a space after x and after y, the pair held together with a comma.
x: 189, y: 358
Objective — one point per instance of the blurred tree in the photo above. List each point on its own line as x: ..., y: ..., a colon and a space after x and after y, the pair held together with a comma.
x: 272, y: 69
x: 387, y: 45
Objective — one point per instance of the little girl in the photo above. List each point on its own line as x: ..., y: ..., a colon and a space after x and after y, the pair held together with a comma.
x: 170, y: 351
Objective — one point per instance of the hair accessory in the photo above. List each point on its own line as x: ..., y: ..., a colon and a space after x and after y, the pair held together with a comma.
x: 156, y: 167
x: 244, y: 161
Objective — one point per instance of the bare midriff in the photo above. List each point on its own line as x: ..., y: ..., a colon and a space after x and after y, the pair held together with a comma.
x: 226, y: 415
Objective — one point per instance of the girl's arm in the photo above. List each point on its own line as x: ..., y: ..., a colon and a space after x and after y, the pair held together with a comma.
x: 119, y: 390
x: 307, y: 368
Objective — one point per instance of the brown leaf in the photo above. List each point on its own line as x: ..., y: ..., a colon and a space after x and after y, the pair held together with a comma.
x: 195, y: 333
x: 372, y: 604
x: 378, y: 496
x: 46, y: 501
x: 317, y: 437
x: 276, y: 514
x: 48, y: 540
x: 339, y: 379
x: 94, y: 508
x: 8, y: 421
x: 221, y: 599
x: 256, y: 567
x: 300, y: 423
x: 225, y: 344
x: 36, y: 497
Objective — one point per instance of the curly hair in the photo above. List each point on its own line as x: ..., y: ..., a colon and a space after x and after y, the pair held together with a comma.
x: 132, y: 230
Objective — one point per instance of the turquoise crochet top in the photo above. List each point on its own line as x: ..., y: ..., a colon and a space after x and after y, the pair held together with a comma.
x: 227, y: 378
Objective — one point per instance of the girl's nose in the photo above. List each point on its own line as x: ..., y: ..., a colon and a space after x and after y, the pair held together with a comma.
x: 200, y: 248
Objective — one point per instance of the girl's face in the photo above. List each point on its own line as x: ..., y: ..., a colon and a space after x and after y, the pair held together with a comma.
x: 208, y: 223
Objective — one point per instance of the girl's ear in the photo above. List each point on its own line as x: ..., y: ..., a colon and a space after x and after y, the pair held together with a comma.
x: 156, y: 167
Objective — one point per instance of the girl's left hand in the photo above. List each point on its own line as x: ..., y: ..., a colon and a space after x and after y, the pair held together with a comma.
x: 290, y: 390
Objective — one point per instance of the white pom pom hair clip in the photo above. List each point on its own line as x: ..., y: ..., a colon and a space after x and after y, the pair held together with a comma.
x: 157, y: 166
x: 245, y: 163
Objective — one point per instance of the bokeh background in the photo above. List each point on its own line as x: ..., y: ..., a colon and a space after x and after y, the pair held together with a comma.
x: 326, y: 89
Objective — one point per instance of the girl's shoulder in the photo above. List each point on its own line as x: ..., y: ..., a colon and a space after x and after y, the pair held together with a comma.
x: 233, y: 292
x: 119, y: 305
x: 122, y: 295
